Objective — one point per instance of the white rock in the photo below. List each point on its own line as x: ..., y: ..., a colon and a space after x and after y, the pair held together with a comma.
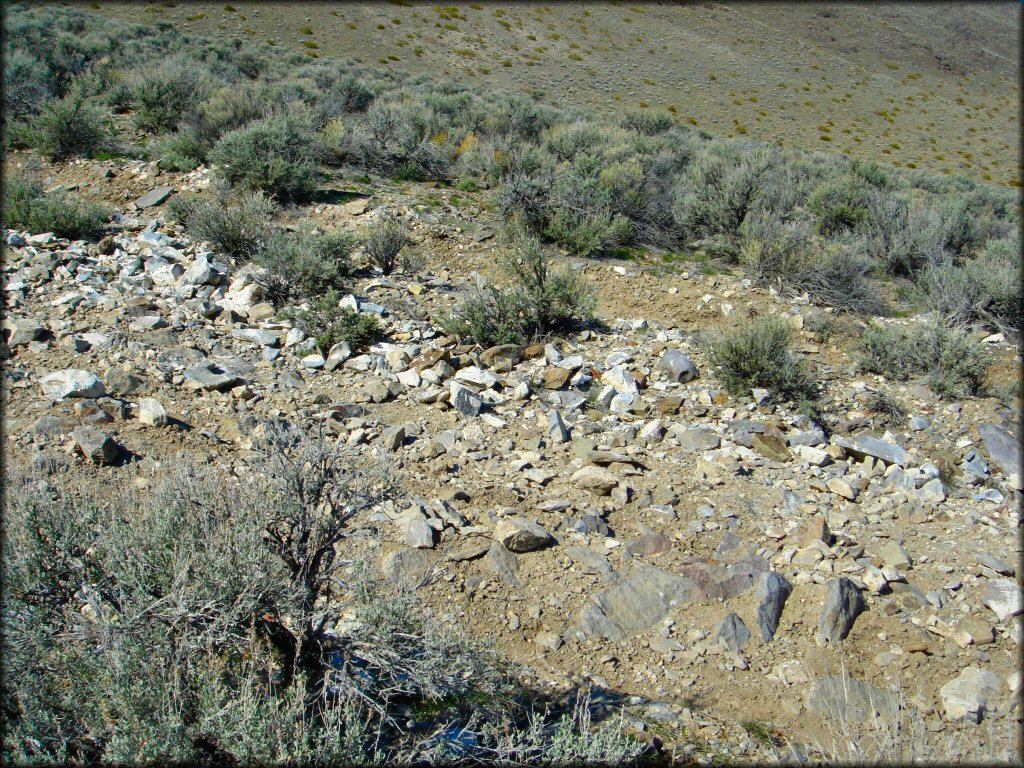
x: 72, y: 382
x: 152, y: 412
x: 967, y: 696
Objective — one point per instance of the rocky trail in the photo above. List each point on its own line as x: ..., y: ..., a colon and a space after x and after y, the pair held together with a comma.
x: 597, y: 505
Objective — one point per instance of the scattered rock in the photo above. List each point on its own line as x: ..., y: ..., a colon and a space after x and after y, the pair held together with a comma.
x: 967, y: 696
x: 731, y: 632
x: 72, y: 382
x: 98, y: 447
x: 521, y: 535
x: 843, y: 604
x: 772, y: 592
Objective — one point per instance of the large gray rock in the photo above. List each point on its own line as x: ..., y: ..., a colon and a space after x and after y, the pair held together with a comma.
x: 24, y: 330
x: 155, y: 196
x: 843, y: 604
x: 256, y: 336
x: 732, y: 632
x: 393, y: 437
x: 968, y: 696
x: 860, y: 446
x: 697, y: 439
x: 633, y: 603
x: 504, y: 565
x: 590, y: 560
x: 678, y: 366
x: 1004, y: 450
x: 152, y: 412
x: 416, y: 532
x: 98, y: 447
x: 464, y: 400
x: 848, y: 699
x: 72, y: 382
x: 772, y: 592
x: 1004, y: 597
x: 210, y: 376
x: 521, y: 535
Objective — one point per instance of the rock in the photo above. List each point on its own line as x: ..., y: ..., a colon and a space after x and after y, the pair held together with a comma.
x: 894, y: 555
x: 589, y: 560
x: 256, y: 336
x: 210, y: 376
x: 993, y: 563
x: 337, y: 355
x: 407, y: 566
x: 842, y: 487
x: 98, y: 447
x: 200, y: 272
x: 155, y: 196
x: 843, y: 604
x: 502, y: 358
x: 620, y: 380
x: 152, y: 412
x: 72, y: 382
x: 315, y: 362
x: 416, y: 532
x: 504, y: 565
x: 556, y: 377
x: 1004, y: 597
x: 548, y: 641
x: 816, y: 457
x: 731, y: 632
x: 631, y: 604
x: 1004, y: 451
x: 24, y: 330
x: 697, y: 439
x: 393, y: 437
x: 678, y: 366
x: 846, y: 699
x: 932, y: 492
x: 521, y: 535
x: 770, y: 446
x: 123, y: 383
x: 811, y: 530
x: 967, y: 696
x: 772, y: 592
x: 863, y: 445
x: 464, y: 400
x: 597, y: 480
x: 557, y: 431
x: 760, y: 395
x: 649, y: 544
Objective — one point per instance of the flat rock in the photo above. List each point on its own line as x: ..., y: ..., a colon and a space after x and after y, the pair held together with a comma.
x: 597, y: 480
x: 894, y: 555
x: 967, y: 697
x: 155, y: 196
x: 1004, y: 597
x: 860, y: 446
x: 556, y: 377
x: 631, y: 604
x: 843, y: 604
x: 210, y: 376
x: 770, y: 446
x: 589, y: 560
x: 407, y: 566
x: 697, y: 439
x: 649, y: 544
x: 521, y: 535
x: 72, y: 382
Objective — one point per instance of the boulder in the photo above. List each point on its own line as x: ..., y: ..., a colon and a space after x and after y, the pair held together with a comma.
x: 521, y: 535
x: 72, y: 382
x: 98, y: 447
x: 152, y: 412
x: 968, y: 696
x: 677, y: 366
x: 843, y: 604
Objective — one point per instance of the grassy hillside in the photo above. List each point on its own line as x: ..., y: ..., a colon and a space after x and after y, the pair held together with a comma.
x: 931, y: 86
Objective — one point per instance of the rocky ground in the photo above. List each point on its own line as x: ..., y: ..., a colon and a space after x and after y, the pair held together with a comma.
x: 596, y: 505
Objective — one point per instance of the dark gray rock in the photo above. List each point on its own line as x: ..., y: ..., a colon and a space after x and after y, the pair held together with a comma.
x: 155, y: 196
x: 1002, y: 448
x: 732, y: 632
x: 678, y: 366
x: 98, y: 447
x: 210, y: 376
x: 504, y: 565
x: 772, y: 592
x: 843, y: 604
x: 633, y: 603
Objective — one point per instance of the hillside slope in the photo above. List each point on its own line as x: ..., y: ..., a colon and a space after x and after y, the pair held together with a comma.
x: 933, y: 86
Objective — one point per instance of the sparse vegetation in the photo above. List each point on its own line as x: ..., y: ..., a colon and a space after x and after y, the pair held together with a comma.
x: 758, y: 355
x: 235, y: 224
x: 26, y: 206
x: 330, y: 324
x: 385, y: 239
x: 303, y: 264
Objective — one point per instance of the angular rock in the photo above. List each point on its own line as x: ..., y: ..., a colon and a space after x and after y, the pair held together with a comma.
x: 416, y: 532
x: 464, y: 400
x: 98, y: 447
x: 557, y: 431
x: 678, y: 366
x: 393, y: 437
x: 632, y: 603
x: 620, y: 380
x: 521, y: 535
x: 864, y: 445
x: 210, y: 376
x: 731, y: 632
x: 649, y: 544
x: 968, y: 696
x: 843, y: 604
x: 504, y: 565
x: 556, y: 377
x: 337, y: 355
x: 407, y: 566
x: 152, y: 412
x: 72, y: 382
x: 698, y: 439
x: 23, y: 331
x: 770, y: 446
x: 1004, y: 597
x: 1004, y: 450
x: 591, y: 561
x: 772, y: 592
x: 597, y: 480
x: 256, y: 336
x: 893, y: 555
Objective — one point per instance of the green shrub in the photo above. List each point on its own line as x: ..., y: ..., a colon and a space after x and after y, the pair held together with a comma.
x: 303, y: 264
x: 536, y: 300
x: 330, y: 324
x: 386, y: 237
x: 26, y: 87
x: 951, y: 362
x: 840, y: 204
x: 276, y: 155
x: 758, y: 354
x: 235, y: 225
x: 647, y: 122
x: 71, y: 127
x: 161, y: 94
x: 25, y: 206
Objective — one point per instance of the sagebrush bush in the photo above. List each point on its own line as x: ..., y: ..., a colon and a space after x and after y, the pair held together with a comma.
x: 159, y: 95
x: 951, y: 362
x: 303, y: 264
x: 328, y: 324
x: 276, y: 155
x: 26, y: 86
x: 536, y: 299
x: 71, y: 127
x: 758, y: 355
x: 840, y: 204
x: 385, y: 239
x: 26, y: 206
x: 235, y: 225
